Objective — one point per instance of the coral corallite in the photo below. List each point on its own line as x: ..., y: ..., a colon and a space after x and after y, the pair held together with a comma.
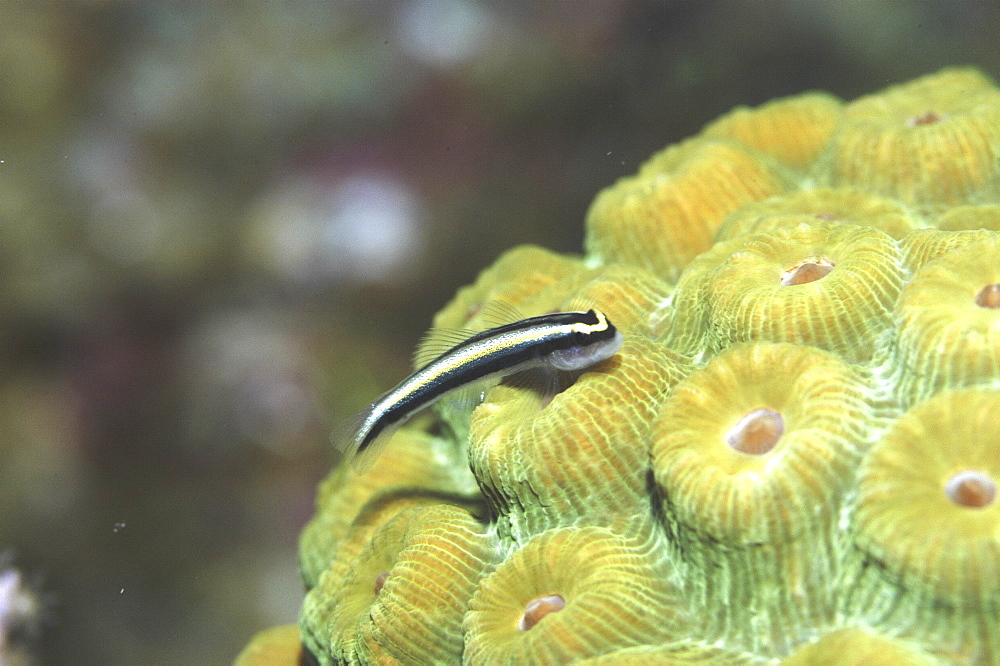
x: 795, y: 455
x: 925, y: 532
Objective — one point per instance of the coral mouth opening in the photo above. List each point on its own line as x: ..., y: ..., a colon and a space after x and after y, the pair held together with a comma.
x: 380, y: 581
x: 539, y: 608
x: 971, y: 489
x: 807, y: 271
x: 928, y: 118
x: 757, y: 433
x: 989, y: 296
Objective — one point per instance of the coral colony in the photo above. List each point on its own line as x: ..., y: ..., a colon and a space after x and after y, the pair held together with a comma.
x: 795, y: 453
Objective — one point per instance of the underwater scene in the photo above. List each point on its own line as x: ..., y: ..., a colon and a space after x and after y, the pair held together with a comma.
x: 444, y: 331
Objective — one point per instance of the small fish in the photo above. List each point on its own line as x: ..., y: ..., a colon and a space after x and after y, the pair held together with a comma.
x: 563, y: 341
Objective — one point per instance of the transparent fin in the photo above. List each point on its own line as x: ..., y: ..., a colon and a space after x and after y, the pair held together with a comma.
x: 351, y: 434
x: 362, y: 461
x: 468, y: 397
x: 545, y: 381
x: 437, y: 341
x: 498, y: 313
x: 580, y: 304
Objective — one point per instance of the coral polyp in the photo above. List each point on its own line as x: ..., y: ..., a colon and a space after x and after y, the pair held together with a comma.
x: 585, y: 590
x: 754, y: 455
x: 669, y: 212
x: 347, y: 500
x: 931, y: 143
x: 793, y: 130
x: 965, y: 218
x: 403, y: 596
x: 844, y: 647
x: 277, y: 645
x: 947, y: 322
x: 811, y: 282
x: 925, y: 548
x: 562, y: 465
x: 845, y: 205
x: 793, y: 455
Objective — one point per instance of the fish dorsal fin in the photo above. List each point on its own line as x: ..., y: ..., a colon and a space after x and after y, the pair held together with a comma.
x: 499, y: 313
x: 578, y: 304
x: 436, y: 342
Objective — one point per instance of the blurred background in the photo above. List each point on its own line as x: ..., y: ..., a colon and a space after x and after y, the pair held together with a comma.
x: 224, y: 226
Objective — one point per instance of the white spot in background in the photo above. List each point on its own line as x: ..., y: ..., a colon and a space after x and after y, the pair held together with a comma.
x: 372, y: 229
x: 124, y: 224
x: 365, y: 228
x: 443, y: 33
x: 247, y: 380
x: 19, y: 606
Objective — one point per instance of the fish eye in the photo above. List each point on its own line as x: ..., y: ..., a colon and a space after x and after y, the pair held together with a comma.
x: 579, y: 339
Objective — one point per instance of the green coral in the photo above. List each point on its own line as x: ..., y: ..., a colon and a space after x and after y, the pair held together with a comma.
x: 803, y: 413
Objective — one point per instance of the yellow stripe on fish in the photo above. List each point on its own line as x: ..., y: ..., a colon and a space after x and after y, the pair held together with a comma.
x: 565, y: 341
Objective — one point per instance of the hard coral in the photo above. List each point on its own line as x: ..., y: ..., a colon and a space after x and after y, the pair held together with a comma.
x: 931, y: 143
x: 754, y: 455
x: 572, y: 593
x: 925, y: 530
x: 795, y: 451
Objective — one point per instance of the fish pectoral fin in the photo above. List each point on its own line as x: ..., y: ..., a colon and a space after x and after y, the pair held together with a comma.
x: 546, y: 381
x: 467, y: 398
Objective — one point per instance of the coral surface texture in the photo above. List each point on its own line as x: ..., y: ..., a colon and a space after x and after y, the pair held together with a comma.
x: 794, y: 456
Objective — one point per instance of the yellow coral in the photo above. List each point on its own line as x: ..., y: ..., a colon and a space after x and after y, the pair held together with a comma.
x: 613, y: 592
x: 931, y: 143
x: 815, y: 282
x: 925, y: 245
x: 517, y: 276
x: 925, y: 527
x: 674, y: 654
x: 793, y: 130
x: 844, y: 205
x: 948, y: 320
x: 793, y: 454
x: 754, y: 454
x: 854, y: 647
x: 970, y: 217
x: 414, y: 477
x: 403, y: 596
x: 277, y: 646
x: 582, y: 458
x: 668, y: 213
x: 626, y: 294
